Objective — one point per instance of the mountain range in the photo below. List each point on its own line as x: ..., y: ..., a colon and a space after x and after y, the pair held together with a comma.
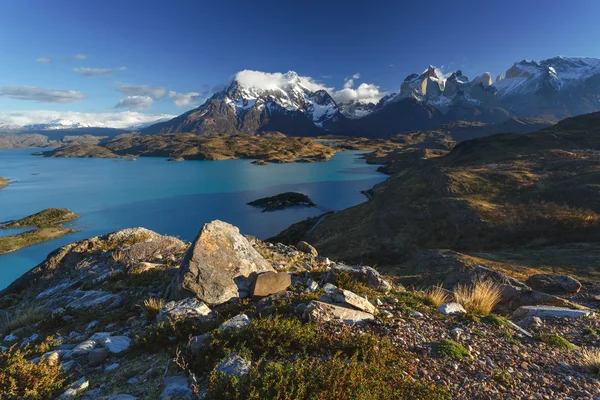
x: 551, y: 89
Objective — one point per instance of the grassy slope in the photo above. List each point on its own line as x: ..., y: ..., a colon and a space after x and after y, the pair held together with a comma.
x: 488, y: 196
x: 44, y: 218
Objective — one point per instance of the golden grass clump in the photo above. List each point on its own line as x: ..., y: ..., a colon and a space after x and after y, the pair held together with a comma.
x: 153, y: 306
x: 25, y: 317
x: 437, y: 295
x: 590, y: 360
x: 479, y: 298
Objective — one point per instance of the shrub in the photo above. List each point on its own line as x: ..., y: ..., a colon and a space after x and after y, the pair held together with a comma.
x: 25, y: 317
x: 345, y: 280
x: 496, y: 320
x: 590, y: 360
x: 437, y: 295
x: 450, y: 349
x: 338, y: 378
x: 556, y: 340
x: 153, y: 305
x: 21, y: 379
x: 480, y: 298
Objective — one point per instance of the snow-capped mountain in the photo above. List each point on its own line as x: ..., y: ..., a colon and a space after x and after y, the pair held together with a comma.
x: 550, y: 89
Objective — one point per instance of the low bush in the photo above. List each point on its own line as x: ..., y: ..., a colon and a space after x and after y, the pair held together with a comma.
x: 556, y: 340
x: 450, y: 349
x: 25, y: 317
x: 21, y: 379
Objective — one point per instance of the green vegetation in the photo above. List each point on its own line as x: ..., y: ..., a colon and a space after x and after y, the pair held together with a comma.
x: 46, y: 218
x: 22, y: 379
x: 496, y: 320
x: 556, y: 340
x: 48, y: 223
x: 26, y: 317
x: 193, y: 147
x: 450, y: 349
x: 282, y: 201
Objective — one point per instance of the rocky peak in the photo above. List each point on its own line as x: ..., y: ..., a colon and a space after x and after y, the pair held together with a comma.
x: 485, y: 79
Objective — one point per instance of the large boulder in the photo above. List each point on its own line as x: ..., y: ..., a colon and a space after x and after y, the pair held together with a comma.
x: 219, y: 265
x: 269, y: 283
x: 364, y: 274
x: 554, y: 283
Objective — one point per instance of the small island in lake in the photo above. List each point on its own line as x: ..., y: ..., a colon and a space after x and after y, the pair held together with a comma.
x: 3, y: 182
x: 47, y: 224
x: 283, y: 200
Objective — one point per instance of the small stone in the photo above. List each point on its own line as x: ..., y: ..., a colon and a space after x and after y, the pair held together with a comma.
x: 417, y: 314
x: 117, y: 344
x: 84, y: 347
x: 91, y: 325
x: 176, y: 387
x: 234, y: 365
x: 307, y: 248
x: 10, y: 338
x: 111, y: 367
x: 353, y: 300
x: 457, y: 332
x: 452, y: 309
x: 97, y: 356
x: 317, y: 311
x: 311, y: 285
x: 76, y: 388
x: 195, y: 342
x: 238, y: 322
x: 133, y: 381
x: 187, y: 308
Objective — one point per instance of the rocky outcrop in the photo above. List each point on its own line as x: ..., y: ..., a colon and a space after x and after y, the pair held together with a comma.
x: 554, y: 283
x: 319, y: 312
x: 364, y: 274
x: 220, y: 265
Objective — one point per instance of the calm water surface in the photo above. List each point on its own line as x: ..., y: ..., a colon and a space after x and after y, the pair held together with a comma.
x: 174, y: 198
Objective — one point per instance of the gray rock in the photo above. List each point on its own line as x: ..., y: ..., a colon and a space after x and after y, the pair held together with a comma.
x: 95, y: 298
x: 97, y: 356
x: 311, y: 285
x: 317, y: 311
x: 452, y: 309
x: 84, y: 347
x: 238, y: 322
x: 195, y: 342
x: 271, y: 282
x: 66, y: 366
x: 10, y: 338
x: 117, y: 344
x: 364, y: 274
x: 187, y: 308
x: 219, y: 261
x: 111, y: 367
x: 530, y: 322
x: 133, y: 380
x: 234, y: 365
x: 554, y: 283
x: 76, y: 388
x: 349, y: 298
x: 549, y: 311
x: 176, y: 387
x: 307, y: 248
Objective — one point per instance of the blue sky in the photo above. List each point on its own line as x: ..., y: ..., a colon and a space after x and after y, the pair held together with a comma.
x: 88, y: 56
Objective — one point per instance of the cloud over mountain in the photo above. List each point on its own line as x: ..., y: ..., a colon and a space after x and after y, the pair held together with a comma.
x: 119, y: 120
x: 186, y: 99
x: 42, y: 95
x: 136, y: 103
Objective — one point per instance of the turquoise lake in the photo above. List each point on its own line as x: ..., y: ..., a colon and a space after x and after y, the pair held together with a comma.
x: 174, y: 198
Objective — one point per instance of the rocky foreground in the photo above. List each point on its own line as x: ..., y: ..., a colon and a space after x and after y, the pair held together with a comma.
x: 137, y: 315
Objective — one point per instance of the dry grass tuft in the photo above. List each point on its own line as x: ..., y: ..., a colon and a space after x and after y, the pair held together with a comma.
x: 117, y: 256
x: 479, y: 298
x: 590, y: 360
x: 25, y: 317
x: 437, y: 295
x: 153, y: 306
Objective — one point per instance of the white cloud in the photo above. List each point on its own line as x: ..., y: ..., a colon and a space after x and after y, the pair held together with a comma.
x: 41, y: 95
x: 80, y: 57
x: 155, y: 92
x: 136, y: 103
x: 350, y: 81
x: 43, y: 60
x: 186, y: 99
x: 90, y: 72
x: 365, y: 93
x: 119, y: 120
